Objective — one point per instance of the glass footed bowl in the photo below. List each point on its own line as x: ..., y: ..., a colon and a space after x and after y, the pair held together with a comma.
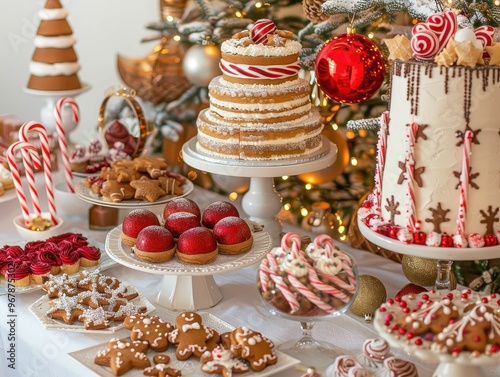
x: 308, y: 289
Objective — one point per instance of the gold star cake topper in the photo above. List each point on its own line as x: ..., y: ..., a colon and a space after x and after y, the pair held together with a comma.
x: 399, y: 48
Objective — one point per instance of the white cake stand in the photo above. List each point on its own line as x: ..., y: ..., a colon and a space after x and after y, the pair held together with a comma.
x: 188, y: 286
x: 444, y: 255
x: 47, y: 112
x: 261, y: 202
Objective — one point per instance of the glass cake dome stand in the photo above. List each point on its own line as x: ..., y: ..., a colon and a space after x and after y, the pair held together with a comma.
x: 466, y: 365
x: 261, y: 202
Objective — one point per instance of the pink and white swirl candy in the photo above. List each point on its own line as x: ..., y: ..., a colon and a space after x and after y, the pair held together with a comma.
x: 259, y: 72
x: 430, y: 37
x: 261, y: 28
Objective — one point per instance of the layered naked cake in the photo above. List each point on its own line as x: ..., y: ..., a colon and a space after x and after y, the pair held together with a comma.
x: 259, y: 108
x: 438, y: 165
x: 54, y: 65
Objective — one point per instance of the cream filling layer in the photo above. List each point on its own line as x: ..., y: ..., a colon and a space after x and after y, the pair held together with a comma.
x: 52, y: 14
x: 43, y: 69
x: 64, y: 41
x: 236, y: 47
x: 227, y: 114
x: 271, y: 107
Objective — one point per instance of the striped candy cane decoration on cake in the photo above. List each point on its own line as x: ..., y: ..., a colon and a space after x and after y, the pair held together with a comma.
x: 47, y: 167
x: 16, y: 177
x: 410, y: 170
x: 381, y: 152
x: 61, y: 133
x: 464, y: 182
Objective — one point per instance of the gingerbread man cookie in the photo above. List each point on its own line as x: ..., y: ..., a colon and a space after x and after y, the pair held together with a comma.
x: 221, y: 361
x: 123, y: 355
x: 253, y: 347
x: 150, y: 329
x: 114, y: 191
x: 160, y: 368
x: 190, y: 336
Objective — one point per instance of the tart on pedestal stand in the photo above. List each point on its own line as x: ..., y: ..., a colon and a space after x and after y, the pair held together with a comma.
x: 261, y: 202
x: 188, y: 286
x: 47, y: 111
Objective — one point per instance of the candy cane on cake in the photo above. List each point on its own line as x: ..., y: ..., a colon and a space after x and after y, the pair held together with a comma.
x: 381, y: 152
x: 47, y: 168
x: 464, y: 182
x: 410, y: 170
x: 61, y: 133
x: 259, y: 71
x: 16, y: 177
x: 310, y: 295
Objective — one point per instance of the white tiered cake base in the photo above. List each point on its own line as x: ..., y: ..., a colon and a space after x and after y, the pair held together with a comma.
x: 261, y: 202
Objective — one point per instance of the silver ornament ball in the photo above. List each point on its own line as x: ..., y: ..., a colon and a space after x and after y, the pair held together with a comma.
x: 201, y: 64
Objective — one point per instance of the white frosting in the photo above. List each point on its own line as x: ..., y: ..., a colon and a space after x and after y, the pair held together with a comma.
x: 5, y: 174
x: 259, y: 107
x: 443, y: 113
x: 52, y: 14
x: 43, y: 69
x: 256, y: 115
x: 235, y: 46
x: 63, y: 41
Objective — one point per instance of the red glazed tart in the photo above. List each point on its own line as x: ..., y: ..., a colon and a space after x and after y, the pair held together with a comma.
x: 233, y: 235
x: 89, y: 256
x: 155, y: 244
x: 134, y: 222
x: 197, y: 246
x: 181, y: 205
x: 178, y: 222
x: 216, y: 211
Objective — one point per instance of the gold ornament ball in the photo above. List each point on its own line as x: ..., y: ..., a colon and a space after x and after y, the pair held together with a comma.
x: 371, y: 294
x: 201, y: 64
x: 422, y: 271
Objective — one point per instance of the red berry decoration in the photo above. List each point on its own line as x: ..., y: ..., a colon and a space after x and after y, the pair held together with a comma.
x: 490, y: 240
x: 419, y: 238
x: 261, y: 28
x: 350, y: 68
x: 446, y: 240
x: 410, y: 289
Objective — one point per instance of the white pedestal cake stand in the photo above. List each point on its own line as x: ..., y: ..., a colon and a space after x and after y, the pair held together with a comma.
x: 466, y: 365
x: 188, y: 286
x: 261, y: 202
x: 47, y: 112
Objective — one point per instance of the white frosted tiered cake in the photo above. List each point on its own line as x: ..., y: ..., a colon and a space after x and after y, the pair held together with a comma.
x: 438, y: 168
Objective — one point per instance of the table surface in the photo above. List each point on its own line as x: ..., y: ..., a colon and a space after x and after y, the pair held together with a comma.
x: 41, y: 352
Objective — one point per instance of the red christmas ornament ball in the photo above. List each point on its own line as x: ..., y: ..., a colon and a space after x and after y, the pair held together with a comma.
x: 261, y: 28
x: 410, y: 289
x: 350, y: 68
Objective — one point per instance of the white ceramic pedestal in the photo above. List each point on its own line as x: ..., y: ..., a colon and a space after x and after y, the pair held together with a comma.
x: 47, y: 111
x: 261, y: 202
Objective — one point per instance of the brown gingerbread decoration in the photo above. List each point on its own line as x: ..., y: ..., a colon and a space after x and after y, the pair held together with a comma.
x: 160, y: 368
x: 123, y: 355
x: 150, y: 329
x: 147, y: 189
x: 490, y: 217
x: 114, y: 191
x: 251, y: 346
x: 221, y: 361
x: 438, y: 217
x: 65, y: 308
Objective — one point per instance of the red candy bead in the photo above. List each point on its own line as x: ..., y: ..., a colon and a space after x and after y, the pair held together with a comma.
x: 393, y: 232
x: 261, y: 28
x: 494, y: 348
x: 419, y: 238
x: 418, y: 342
x: 490, y: 240
x: 446, y: 240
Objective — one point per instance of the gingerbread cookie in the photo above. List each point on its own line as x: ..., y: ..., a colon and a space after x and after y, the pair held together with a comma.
x: 160, y: 368
x: 62, y: 285
x: 95, y: 319
x: 221, y: 361
x: 123, y: 355
x: 170, y: 185
x: 65, y: 308
x: 253, y: 347
x: 114, y: 191
x: 153, y: 166
x: 123, y: 309
x: 95, y: 281
x: 191, y: 336
x: 147, y: 189
x: 94, y: 299
x: 150, y: 329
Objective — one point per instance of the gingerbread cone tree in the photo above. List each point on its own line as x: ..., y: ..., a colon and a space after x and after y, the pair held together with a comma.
x: 54, y: 64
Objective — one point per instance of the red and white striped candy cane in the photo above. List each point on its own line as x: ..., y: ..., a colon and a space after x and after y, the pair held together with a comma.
x: 264, y: 274
x: 324, y: 241
x: 285, y: 290
x: 291, y: 242
x: 16, y: 177
x: 47, y: 168
x: 381, y: 152
x: 410, y: 170
x: 307, y: 293
x: 30, y: 177
x: 326, y: 288
x: 464, y: 182
x: 61, y: 135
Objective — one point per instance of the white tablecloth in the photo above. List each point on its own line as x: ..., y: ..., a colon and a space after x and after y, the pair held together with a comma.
x: 43, y: 353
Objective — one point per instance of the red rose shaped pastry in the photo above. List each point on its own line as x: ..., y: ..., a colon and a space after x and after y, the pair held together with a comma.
x: 49, y: 253
x: 155, y: 244
x: 134, y: 222
x: 40, y: 271
x: 233, y: 235
x: 216, y: 211
x: 19, y: 274
x: 181, y: 205
x: 177, y: 223
x: 197, y: 246
x: 89, y: 256
x: 70, y: 261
